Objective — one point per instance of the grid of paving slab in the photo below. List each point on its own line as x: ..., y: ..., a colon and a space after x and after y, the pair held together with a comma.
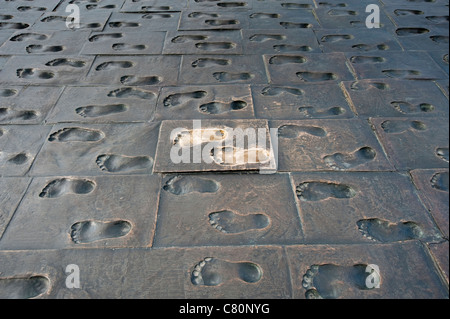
x: 359, y: 204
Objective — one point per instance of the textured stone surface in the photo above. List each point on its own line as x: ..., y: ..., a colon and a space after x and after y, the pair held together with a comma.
x: 361, y: 207
x: 351, y: 168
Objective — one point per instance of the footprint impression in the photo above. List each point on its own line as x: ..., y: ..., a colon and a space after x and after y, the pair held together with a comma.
x: 76, y: 134
x: 386, y: 232
x: 229, y: 222
x: 66, y: 186
x: 182, y: 185
x: 343, y: 161
x: 23, y: 288
x: 294, y: 131
x: 190, y: 138
x: 16, y: 159
x: 393, y: 127
x: 7, y: 114
x: 121, y: 164
x: 214, y: 272
x: 330, y: 281
x: 317, y: 191
x: 239, y: 156
x: 91, y: 231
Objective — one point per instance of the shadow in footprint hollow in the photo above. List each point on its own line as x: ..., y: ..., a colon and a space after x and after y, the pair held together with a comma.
x: 386, y: 232
x: 92, y: 231
x: 23, y: 288
x: 229, y: 222
x: 330, y: 281
x: 214, y: 272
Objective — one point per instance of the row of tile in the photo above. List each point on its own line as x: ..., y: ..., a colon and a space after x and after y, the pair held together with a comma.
x: 118, y: 104
x: 194, y: 211
x: 225, y: 14
x: 180, y: 5
x: 262, y: 41
x: 310, y: 145
x: 164, y: 70
x: 405, y: 271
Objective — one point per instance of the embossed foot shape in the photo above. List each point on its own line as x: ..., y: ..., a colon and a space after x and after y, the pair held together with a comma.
x: 214, y: 272
x: 92, y: 231
x: 23, y: 288
x: 330, y: 281
x: 229, y: 222
x: 385, y: 232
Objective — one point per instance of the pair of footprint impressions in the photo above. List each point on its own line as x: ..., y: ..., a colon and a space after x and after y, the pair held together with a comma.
x: 111, y: 163
x: 222, y: 155
x: 337, y: 161
x: 319, y: 281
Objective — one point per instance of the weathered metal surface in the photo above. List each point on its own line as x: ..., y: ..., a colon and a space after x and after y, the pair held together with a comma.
x: 224, y: 149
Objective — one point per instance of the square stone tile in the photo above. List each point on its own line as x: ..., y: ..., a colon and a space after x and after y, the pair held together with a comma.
x: 397, y: 98
x: 154, y: 6
x: 335, y: 17
x: 124, y: 43
x: 130, y: 22
x: 318, y: 145
x: 205, y: 102
x: 56, y: 21
x: 300, y: 102
x: 280, y: 41
x: 201, y: 211
x: 45, y: 70
x: 80, y: 149
x: 63, y: 212
x: 396, y: 65
x: 282, y: 19
x: 24, y: 6
x: 357, y: 40
x: 222, y: 69
x: 12, y: 190
x: 412, y: 143
x: 161, y: 273
x: 210, y: 20
x: 341, y: 272
x: 433, y: 190
x: 45, y: 43
x: 427, y: 38
x: 307, y: 68
x: 19, y: 146
x: 203, y: 42
x: 419, y: 15
x: 440, y: 253
x: 361, y: 207
x: 214, y: 145
x: 16, y: 107
x: 134, y: 70
x: 114, y: 104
